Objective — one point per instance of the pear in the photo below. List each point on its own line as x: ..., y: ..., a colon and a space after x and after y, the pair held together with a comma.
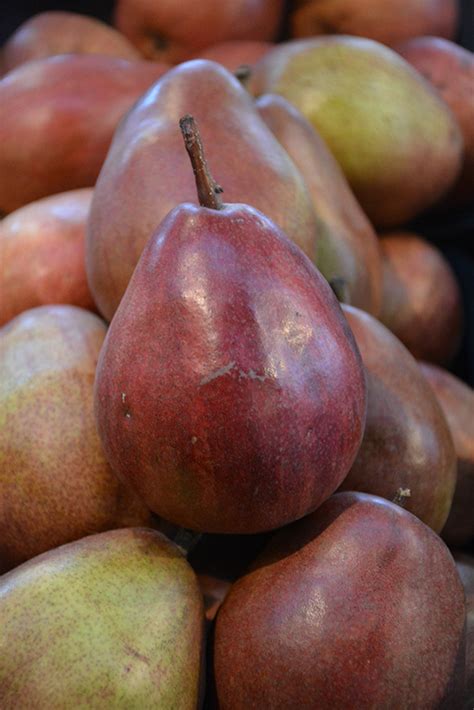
x: 450, y: 69
x: 229, y: 390
x: 387, y: 22
x: 348, y: 248
x: 234, y: 53
x: 113, y: 620
x: 57, y: 119
x: 50, y: 33
x: 407, y: 453
x: 42, y: 246
x: 170, y: 31
x: 397, y: 141
x: 55, y: 482
x: 358, y: 605
x: 421, y: 299
x: 147, y: 174
x: 465, y: 567
x: 457, y: 402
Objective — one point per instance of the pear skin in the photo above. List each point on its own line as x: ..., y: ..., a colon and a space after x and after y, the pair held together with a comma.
x: 348, y: 248
x: 396, y: 140
x: 457, y: 402
x: 407, y: 445
x: 55, y: 483
x: 358, y: 605
x: 50, y: 33
x: 113, y: 620
x: 146, y: 173
x: 386, y: 21
x: 42, y: 246
x: 57, y: 119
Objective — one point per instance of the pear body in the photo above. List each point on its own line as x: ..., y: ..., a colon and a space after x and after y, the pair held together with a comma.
x: 245, y: 404
x: 57, y: 119
x: 55, y: 483
x: 43, y: 254
x: 169, y: 31
x: 407, y: 443
x: 112, y: 620
x: 450, y: 69
x: 457, y: 402
x: 377, y: 20
x: 348, y: 248
x: 357, y: 605
x: 396, y: 140
x: 50, y: 33
x: 421, y: 299
x: 147, y: 173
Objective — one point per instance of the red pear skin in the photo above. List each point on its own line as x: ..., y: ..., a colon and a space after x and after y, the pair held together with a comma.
x: 147, y: 173
x: 42, y: 249
x: 465, y: 567
x: 450, y: 69
x: 245, y: 404
x: 55, y: 32
x: 57, y: 119
x: 348, y: 248
x: 386, y: 21
x: 457, y: 402
x: 234, y: 54
x: 407, y: 443
x: 55, y: 483
x: 359, y: 605
x: 421, y: 299
x: 169, y: 31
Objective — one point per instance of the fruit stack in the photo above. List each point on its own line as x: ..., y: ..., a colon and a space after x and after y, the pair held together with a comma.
x: 233, y: 452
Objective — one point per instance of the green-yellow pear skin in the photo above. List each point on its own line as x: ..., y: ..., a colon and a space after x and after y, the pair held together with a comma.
x: 55, y: 482
x: 348, y: 248
x: 114, y: 620
x: 146, y: 173
x: 397, y: 141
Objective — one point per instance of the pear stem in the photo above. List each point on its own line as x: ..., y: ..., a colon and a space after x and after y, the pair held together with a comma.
x: 207, y: 188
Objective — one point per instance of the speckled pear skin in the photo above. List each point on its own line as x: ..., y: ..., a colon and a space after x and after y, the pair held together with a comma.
x: 407, y: 442
x: 457, y: 402
x: 147, y: 173
x: 114, y: 620
x: 357, y: 606
x: 348, y: 248
x: 396, y: 140
x: 229, y: 390
x: 55, y: 482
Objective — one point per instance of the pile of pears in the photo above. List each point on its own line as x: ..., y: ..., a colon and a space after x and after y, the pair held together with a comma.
x: 236, y: 468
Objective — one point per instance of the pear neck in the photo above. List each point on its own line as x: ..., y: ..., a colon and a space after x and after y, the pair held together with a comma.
x: 209, y: 192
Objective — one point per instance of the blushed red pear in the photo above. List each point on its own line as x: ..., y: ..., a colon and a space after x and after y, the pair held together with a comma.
x: 229, y: 391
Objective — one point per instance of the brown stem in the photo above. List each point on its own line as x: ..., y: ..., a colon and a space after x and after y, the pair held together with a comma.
x: 207, y: 188
x: 401, y: 497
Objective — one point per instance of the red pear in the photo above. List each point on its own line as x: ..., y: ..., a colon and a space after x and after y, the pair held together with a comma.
x: 407, y: 445
x: 147, y: 174
x: 171, y: 31
x: 42, y: 251
x: 358, y: 605
x: 57, y: 119
x: 457, y: 402
x: 421, y: 300
x: 450, y: 69
x: 229, y: 390
x: 55, y: 32
x: 384, y: 20
x: 465, y: 567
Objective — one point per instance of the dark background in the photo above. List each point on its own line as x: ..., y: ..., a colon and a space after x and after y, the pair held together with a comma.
x: 452, y: 232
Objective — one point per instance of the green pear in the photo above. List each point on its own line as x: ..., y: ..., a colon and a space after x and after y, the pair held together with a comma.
x: 114, y: 620
x: 397, y: 141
